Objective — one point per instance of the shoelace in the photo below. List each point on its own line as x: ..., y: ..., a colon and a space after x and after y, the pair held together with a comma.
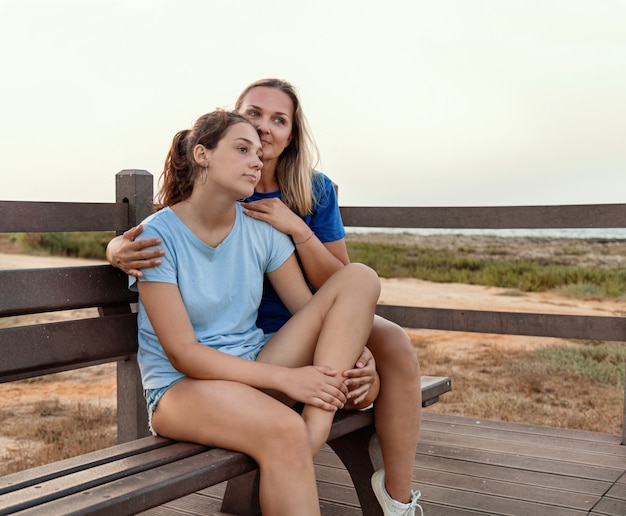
x: 415, y: 496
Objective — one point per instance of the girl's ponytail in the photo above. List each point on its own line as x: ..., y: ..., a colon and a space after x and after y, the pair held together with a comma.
x: 177, y: 178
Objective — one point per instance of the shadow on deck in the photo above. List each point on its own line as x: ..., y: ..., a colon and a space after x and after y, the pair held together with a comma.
x: 471, y: 467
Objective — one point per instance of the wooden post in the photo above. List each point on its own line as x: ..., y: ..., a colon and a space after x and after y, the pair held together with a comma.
x: 135, y: 188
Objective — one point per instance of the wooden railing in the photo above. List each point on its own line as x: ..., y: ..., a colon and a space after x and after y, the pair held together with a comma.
x: 599, y: 216
x: 134, y: 189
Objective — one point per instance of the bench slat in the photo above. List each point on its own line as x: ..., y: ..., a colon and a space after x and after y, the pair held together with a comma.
x: 39, y: 349
x: 137, y: 492
x: 41, y: 217
x: 28, y: 291
x: 46, y: 472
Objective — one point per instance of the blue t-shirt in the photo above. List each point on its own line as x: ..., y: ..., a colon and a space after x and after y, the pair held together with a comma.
x: 221, y: 287
x: 325, y: 221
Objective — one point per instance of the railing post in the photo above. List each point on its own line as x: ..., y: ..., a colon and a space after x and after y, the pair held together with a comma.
x: 134, y: 187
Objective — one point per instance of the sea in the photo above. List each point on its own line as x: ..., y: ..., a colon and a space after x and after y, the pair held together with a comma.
x: 602, y: 233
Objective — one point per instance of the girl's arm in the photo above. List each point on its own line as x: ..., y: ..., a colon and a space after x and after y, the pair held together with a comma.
x: 130, y: 255
x: 318, y: 386
x: 289, y: 284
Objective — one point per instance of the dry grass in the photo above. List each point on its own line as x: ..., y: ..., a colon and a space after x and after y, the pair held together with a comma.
x: 56, y: 417
x: 520, y: 385
x: 50, y: 430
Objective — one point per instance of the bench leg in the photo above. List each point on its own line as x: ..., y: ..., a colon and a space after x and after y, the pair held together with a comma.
x: 354, y: 451
x: 242, y: 495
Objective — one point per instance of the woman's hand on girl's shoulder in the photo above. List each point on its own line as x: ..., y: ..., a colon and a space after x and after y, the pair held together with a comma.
x: 131, y: 255
x: 277, y: 213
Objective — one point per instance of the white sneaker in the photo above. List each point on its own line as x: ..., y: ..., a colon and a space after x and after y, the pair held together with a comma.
x: 390, y: 506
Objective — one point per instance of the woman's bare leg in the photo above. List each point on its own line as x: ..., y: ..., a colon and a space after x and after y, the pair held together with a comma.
x: 331, y: 330
x: 239, y: 417
x: 398, y: 407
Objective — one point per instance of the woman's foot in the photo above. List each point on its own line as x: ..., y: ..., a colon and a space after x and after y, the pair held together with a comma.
x: 390, y: 506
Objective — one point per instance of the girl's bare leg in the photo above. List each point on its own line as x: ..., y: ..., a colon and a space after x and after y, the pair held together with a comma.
x: 398, y: 407
x: 238, y: 417
x: 331, y: 330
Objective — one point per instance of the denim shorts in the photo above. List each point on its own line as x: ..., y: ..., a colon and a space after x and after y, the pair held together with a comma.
x: 153, y: 396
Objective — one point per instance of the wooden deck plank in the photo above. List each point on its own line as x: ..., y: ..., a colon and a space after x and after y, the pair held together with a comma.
x: 614, y: 502
x: 473, y: 467
x: 427, y: 466
x: 506, y: 427
x: 519, y: 462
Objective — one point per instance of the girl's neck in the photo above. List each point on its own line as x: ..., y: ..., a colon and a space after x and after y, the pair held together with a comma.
x: 211, y: 220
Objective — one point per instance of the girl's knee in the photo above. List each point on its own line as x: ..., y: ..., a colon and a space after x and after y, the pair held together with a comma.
x: 287, y: 437
x: 361, y: 276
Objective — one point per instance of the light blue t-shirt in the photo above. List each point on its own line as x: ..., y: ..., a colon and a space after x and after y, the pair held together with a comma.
x: 220, y: 286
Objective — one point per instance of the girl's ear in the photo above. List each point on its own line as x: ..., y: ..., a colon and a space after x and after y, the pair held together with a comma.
x: 202, y: 155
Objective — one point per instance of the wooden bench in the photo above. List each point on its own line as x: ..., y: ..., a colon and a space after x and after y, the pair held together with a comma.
x: 141, y: 471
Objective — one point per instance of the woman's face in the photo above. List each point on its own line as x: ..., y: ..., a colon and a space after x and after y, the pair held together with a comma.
x: 271, y: 112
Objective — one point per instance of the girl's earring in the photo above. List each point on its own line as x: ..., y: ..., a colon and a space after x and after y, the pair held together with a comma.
x: 205, y: 171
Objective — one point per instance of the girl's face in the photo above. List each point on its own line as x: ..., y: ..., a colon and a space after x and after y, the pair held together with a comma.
x: 271, y: 112
x: 235, y: 164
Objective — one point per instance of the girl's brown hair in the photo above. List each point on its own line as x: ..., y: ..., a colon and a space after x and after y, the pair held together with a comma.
x: 181, y: 170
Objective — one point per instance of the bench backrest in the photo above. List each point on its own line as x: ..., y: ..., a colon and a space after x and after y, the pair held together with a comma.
x: 101, y: 326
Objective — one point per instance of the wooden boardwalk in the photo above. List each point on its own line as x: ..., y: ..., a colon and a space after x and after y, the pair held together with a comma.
x: 471, y: 467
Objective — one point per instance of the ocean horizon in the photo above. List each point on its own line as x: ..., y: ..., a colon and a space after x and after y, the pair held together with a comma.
x: 608, y: 233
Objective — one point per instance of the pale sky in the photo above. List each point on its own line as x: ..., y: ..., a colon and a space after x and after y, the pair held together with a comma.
x: 411, y: 102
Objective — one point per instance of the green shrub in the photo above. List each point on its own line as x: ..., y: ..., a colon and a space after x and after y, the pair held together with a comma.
x: 461, y: 267
x: 599, y: 362
x: 75, y: 244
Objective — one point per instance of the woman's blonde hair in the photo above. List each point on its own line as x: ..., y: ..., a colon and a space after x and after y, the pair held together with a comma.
x: 294, y: 171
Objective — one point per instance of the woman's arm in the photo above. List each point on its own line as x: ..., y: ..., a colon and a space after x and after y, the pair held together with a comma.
x: 319, y: 260
x: 130, y: 255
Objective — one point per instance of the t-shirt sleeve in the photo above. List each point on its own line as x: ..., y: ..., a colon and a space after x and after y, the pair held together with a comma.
x: 164, y: 273
x: 281, y: 249
x: 325, y: 220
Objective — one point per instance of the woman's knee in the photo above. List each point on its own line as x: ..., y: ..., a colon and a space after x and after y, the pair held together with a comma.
x: 392, y: 347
